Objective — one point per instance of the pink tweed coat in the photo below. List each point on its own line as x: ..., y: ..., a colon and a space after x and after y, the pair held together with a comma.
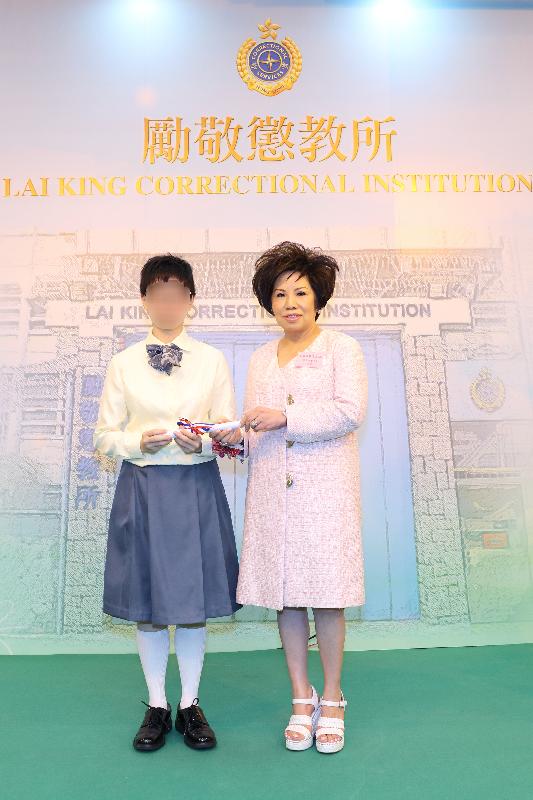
x: 302, y: 530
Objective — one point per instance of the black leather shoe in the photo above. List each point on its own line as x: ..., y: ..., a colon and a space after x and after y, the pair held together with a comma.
x: 191, y: 722
x: 156, y: 723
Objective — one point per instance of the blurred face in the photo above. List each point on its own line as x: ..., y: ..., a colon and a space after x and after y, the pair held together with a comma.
x: 294, y: 303
x: 167, y: 303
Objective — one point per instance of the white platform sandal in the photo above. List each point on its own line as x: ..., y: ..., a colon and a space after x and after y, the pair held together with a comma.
x: 332, y: 725
x: 298, y: 722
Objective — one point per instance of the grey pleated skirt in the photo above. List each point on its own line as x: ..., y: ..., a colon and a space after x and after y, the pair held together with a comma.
x: 171, y: 554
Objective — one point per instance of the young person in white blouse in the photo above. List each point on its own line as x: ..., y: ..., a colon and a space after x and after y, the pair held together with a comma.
x: 171, y: 555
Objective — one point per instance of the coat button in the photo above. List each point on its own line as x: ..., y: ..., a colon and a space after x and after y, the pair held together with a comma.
x: 290, y: 400
x: 290, y: 444
x: 289, y: 480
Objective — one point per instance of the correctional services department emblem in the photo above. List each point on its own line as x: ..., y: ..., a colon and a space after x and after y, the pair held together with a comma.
x: 269, y: 67
x: 487, y: 391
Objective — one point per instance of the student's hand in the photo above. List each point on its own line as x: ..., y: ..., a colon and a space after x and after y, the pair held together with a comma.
x: 152, y: 441
x: 261, y: 419
x: 188, y: 441
x: 227, y: 437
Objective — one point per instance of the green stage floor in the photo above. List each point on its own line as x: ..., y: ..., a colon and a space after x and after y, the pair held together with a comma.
x: 438, y: 724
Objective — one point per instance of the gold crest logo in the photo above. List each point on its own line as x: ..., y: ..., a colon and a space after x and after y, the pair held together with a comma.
x: 487, y: 391
x: 269, y: 67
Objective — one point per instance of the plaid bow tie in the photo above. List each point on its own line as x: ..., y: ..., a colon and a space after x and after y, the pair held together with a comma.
x: 163, y: 357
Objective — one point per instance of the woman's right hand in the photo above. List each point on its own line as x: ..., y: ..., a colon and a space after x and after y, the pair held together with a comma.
x: 154, y: 440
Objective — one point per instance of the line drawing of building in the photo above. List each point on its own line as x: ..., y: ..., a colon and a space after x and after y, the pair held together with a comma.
x: 446, y: 452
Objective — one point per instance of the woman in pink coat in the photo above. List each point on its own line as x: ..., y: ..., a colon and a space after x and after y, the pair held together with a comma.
x: 305, y: 398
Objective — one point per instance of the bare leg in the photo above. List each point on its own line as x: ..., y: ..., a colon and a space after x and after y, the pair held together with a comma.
x: 293, y: 627
x: 330, y: 632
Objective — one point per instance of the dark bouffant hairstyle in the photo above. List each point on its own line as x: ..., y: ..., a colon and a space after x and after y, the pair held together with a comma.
x: 319, y: 269
x: 161, y: 268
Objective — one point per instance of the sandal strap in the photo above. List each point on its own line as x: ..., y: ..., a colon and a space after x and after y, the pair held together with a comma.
x: 307, y: 701
x: 342, y: 703
x: 300, y: 719
x: 330, y: 722
x: 299, y: 729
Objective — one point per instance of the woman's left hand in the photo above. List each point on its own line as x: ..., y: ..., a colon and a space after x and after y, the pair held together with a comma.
x: 261, y: 419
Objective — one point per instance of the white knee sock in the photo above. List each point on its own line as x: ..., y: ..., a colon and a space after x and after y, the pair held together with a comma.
x: 190, y: 649
x: 153, y: 649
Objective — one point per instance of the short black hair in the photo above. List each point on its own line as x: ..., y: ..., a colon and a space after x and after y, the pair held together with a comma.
x: 161, y: 268
x: 311, y: 263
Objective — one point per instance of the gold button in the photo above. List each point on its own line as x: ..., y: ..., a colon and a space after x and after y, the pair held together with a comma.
x: 290, y: 400
x: 290, y: 444
x: 289, y: 480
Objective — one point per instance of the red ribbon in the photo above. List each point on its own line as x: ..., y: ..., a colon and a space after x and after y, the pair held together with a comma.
x: 228, y: 450
x: 219, y: 448
x: 198, y: 428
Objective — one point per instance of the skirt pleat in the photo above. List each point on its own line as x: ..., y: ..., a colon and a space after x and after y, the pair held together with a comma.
x: 171, y: 553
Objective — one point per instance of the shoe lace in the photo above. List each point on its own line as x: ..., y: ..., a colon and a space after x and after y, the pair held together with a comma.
x: 153, y: 717
x: 196, y: 715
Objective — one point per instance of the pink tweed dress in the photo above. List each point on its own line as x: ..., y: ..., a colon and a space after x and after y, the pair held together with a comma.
x: 302, y: 531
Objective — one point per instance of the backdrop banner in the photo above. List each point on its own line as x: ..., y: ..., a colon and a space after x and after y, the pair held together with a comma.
x: 214, y: 130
